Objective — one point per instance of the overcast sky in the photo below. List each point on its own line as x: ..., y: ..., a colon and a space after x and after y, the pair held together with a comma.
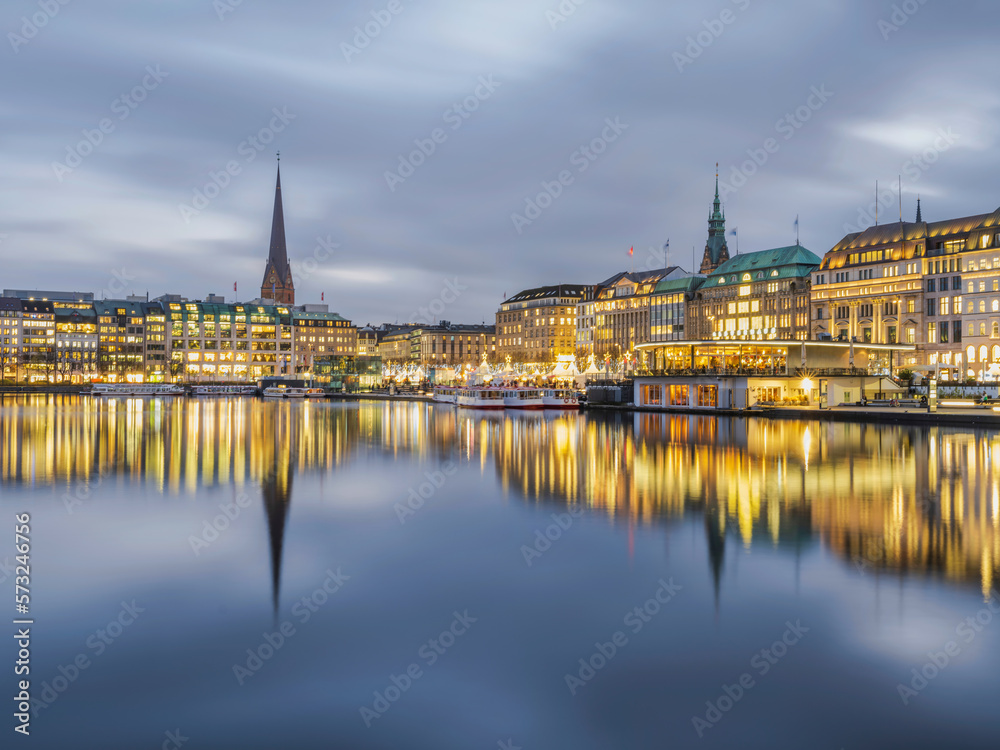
x: 873, y: 90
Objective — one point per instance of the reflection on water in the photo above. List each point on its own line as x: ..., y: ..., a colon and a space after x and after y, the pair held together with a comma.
x: 905, y: 499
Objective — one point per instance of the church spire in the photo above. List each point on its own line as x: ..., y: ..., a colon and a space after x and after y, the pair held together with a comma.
x: 277, y: 282
x: 919, y: 217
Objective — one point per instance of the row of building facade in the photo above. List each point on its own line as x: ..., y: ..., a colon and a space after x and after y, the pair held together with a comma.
x: 70, y: 337
x: 929, y: 289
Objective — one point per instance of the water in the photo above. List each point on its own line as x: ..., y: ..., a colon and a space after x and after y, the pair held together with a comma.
x: 528, y: 541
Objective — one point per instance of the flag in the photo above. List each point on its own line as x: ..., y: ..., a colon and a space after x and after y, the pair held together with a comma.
x: 630, y: 251
x: 796, y: 221
x: 234, y: 286
x: 322, y: 296
x: 733, y: 231
x: 666, y: 245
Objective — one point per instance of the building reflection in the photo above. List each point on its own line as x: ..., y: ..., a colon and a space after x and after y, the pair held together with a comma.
x: 909, y: 500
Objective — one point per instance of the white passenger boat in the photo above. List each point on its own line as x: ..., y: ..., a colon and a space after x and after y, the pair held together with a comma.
x: 523, y: 398
x: 445, y: 394
x: 136, y: 389
x: 224, y: 390
x: 560, y: 398
x: 284, y: 391
x: 479, y: 398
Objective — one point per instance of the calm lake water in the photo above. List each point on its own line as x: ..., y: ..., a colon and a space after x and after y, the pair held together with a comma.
x: 375, y: 575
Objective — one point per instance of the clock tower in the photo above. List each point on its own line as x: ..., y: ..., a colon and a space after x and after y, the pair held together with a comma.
x: 277, y: 283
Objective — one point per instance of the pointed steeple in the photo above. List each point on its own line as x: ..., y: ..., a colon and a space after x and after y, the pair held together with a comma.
x: 919, y: 217
x: 716, y: 249
x: 277, y: 282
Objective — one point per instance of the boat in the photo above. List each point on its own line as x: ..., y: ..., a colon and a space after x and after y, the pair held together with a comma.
x: 479, y: 398
x: 315, y: 393
x: 283, y: 391
x: 224, y: 390
x: 136, y: 389
x: 445, y: 394
x: 560, y: 398
x: 523, y: 398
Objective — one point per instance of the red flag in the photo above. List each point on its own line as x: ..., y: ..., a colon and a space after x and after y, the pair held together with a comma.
x: 322, y: 296
x: 234, y: 286
x: 630, y: 251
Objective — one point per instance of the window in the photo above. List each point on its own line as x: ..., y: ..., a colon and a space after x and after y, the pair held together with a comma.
x: 971, y: 354
x: 708, y: 395
x: 679, y: 395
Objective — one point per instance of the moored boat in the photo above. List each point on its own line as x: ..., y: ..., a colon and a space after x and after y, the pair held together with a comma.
x: 445, y: 394
x: 223, y: 390
x: 283, y: 391
x: 479, y: 398
x: 560, y: 398
x: 523, y: 398
x: 136, y: 389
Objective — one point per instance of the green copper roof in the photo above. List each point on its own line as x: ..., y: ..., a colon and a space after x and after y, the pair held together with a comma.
x: 780, y: 262
x: 686, y: 284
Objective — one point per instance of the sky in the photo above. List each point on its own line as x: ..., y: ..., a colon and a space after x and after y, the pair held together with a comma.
x: 436, y: 156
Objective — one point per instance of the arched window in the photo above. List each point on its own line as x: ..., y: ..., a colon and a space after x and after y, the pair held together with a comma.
x: 996, y: 305
x: 996, y: 330
x: 982, y: 305
x: 996, y: 351
x: 982, y: 353
x: 746, y: 277
x: 971, y: 353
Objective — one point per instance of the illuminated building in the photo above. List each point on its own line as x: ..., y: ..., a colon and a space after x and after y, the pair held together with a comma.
x: 320, y: 333
x: 538, y: 325
x: 453, y: 345
x: 931, y: 284
x: 38, y: 341
x: 121, y: 327
x: 76, y: 342
x: 10, y: 338
x: 615, y: 316
x: 228, y: 342
x: 755, y: 297
x: 367, y: 342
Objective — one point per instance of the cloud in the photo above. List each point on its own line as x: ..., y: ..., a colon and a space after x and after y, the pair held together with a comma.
x: 355, y: 119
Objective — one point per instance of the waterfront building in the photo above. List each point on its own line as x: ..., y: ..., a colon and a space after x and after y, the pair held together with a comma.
x: 367, y: 342
x: 76, y: 342
x: 228, y: 342
x: 157, y: 355
x: 394, y: 345
x: 615, y: 316
x: 277, y: 284
x: 319, y: 333
x: 935, y: 285
x: 755, y: 296
x: 121, y: 328
x: 540, y: 324
x: 668, y: 307
x: 37, y: 341
x: 10, y: 338
x: 453, y: 345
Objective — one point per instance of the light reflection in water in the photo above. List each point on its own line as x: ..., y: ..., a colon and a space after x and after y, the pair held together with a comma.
x: 906, y: 499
